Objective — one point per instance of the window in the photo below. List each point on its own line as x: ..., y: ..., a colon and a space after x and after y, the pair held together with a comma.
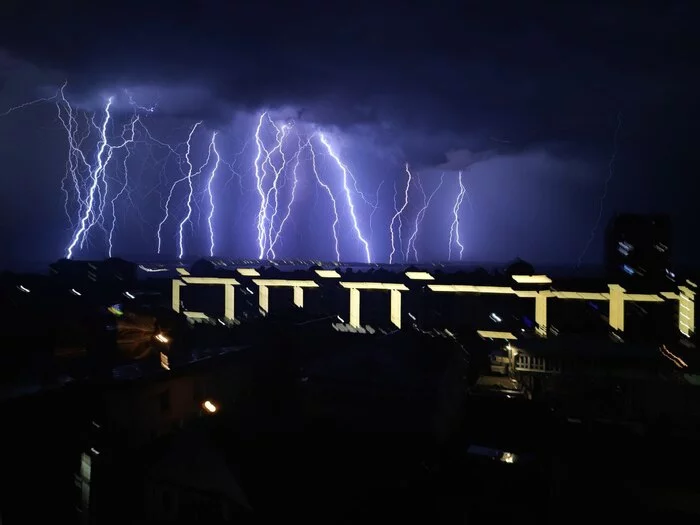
x: 164, y: 399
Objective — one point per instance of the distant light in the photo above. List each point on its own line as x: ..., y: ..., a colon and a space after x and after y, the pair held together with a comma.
x: 23, y: 288
x: 532, y: 279
x: 75, y: 292
x: 508, y: 457
x: 209, y: 407
x: 340, y: 319
x: 162, y: 338
x: 328, y: 274
x: 628, y: 269
x: 248, y: 272
x: 495, y: 318
x: 412, y: 316
x: 164, y: 361
x: 95, y: 451
x: 129, y: 295
x: 420, y: 276
x: 116, y: 309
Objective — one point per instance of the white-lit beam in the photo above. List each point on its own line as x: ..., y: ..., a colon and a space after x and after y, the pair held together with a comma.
x: 196, y: 315
x: 211, y: 280
x: 328, y: 274
x: 470, y: 288
x: 289, y: 283
x: 488, y: 334
x: 532, y: 279
x: 420, y: 276
x: 182, y: 271
x: 374, y: 286
x: 248, y: 272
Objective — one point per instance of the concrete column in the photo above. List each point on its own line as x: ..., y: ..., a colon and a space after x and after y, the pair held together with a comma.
x: 299, y: 296
x: 686, y: 311
x: 395, y: 306
x: 355, y: 307
x: 229, y: 301
x: 175, y: 301
x: 264, y: 299
x: 617, y: 307
x: 541, y: 313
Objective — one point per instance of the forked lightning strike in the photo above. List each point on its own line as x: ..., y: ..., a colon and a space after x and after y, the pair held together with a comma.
x: 421, y: 215
x: 454, y: 228
x: 397, y: 218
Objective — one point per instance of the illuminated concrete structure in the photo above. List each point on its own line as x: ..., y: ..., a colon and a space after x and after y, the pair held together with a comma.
x: 328, y: 274
x: 249, y: 272
x: 229, y: 294
x: 616, y: 296
x: 395, y: 304
x: 532, y: 279
x: 297, y: 285
x: 420, y: 276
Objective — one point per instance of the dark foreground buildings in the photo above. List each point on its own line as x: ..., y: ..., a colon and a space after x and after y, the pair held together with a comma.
x: 639, y: 247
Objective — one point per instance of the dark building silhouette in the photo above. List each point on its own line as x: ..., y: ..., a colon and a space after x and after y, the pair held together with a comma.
x: 639, y: 247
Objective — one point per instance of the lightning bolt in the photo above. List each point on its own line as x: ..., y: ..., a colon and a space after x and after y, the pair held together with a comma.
x: 210, y: 218
x: 454, y: 228
x: 190, y: 191
x: 90, y: 214
x: 611, y: 172
x: 397, y: 216
x: 187, y: 176
x: 27, y: 104
x: 124, y: 187
x: 295, y: 181
x: 273, y: 192
x: 348, y: 197
x: 336, y: 218
x: 421, y: 215
x: 259, y: 172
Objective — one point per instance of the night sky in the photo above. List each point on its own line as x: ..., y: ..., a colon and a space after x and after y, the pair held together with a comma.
x: 530, y: 100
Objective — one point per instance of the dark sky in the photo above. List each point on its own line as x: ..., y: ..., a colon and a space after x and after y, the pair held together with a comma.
x: 519, y: 86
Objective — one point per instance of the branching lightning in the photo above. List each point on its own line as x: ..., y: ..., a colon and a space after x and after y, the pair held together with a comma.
x: 92, y: 212
x: 348, y: 195
x: 397, y: 217
x: 334, y: 204
x: 454, y: 228
x: 186, y: 176
x: 210, y: 193
x: 427, y: 199
x: 295, y: 181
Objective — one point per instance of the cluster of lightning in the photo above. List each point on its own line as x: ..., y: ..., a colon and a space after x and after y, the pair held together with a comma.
x: 97, y: 179
x: 271, y: 169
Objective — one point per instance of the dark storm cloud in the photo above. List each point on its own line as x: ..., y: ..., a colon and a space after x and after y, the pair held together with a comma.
x: 535, y: 73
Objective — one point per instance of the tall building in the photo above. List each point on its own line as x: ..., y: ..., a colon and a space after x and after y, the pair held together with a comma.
x: 639, y: 247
